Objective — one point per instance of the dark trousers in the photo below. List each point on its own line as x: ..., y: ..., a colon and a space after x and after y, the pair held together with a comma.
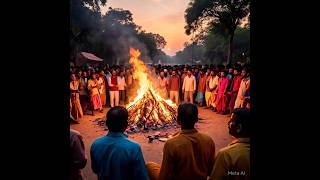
x: 84, y: 101
x: 122, y: 96
x: 233, y: 97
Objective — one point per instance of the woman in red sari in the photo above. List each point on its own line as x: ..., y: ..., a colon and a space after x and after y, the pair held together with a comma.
x: 222, y: 93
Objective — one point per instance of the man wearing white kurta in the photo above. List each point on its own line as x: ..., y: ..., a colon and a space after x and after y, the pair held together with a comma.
x: 189, y: 87
x: 244, y: 85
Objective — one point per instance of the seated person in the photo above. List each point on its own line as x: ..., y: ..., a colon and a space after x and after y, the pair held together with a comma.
x: 233, y: 161
x: 189, y: 154
x: 78, y: 156
x: 114, y: 156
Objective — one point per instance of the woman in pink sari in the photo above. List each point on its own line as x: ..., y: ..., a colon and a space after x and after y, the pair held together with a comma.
x: 94, y: 93
x: 221, y: 102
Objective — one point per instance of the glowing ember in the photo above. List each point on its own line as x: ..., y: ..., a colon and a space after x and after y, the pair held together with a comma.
x: 148, y: 109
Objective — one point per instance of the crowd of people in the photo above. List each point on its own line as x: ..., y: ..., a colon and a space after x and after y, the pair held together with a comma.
x: 188, y: 155
x: 219, y: 88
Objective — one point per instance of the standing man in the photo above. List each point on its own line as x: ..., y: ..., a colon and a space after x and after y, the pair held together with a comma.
x: 189, y: 87
x: 188, y: 155
x: 214, y: 85
x: 102, y: 89
x: 201, y: 88
x: 233, y: 161
x: 185, y: 73
x: 230, y: 78
x: 244, y: 85
x: 114, y: 156
x: 122, y: 88
x: 163, y: 83
x: 174, y: 86
x: 113, y: 82
x: 222, y: 93
x: 234, y: 88
x: 83, y: 91
x: 78, y: 156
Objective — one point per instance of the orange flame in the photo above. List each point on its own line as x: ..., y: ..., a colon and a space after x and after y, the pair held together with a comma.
x: 145, y: 85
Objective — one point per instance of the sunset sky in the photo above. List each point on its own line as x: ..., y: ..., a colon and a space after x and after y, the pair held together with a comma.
x: 164, y: 17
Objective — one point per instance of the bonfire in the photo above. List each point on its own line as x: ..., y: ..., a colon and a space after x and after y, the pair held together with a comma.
x: 148, y: 110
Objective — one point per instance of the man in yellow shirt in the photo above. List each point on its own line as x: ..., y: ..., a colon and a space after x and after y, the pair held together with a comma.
x: 189, y: 154
x: 233, y: 162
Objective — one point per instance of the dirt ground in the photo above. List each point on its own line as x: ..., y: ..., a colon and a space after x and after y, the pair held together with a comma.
x: 213, y: 124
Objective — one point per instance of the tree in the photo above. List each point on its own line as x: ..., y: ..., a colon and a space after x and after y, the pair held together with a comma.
x: 160, y: 41
x: 154, y: 43
x: 223, y: 15
x: 111, y: 35
x: 84, y: 18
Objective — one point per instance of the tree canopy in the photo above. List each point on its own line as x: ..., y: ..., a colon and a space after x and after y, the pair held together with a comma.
x: 110, y: 35
x: 221, y: 16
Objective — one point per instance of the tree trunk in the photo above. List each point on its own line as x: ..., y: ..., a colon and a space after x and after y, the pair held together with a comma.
x: 230, y: 48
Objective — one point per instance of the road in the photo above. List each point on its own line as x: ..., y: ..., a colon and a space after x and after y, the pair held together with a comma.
x: 215, y: 125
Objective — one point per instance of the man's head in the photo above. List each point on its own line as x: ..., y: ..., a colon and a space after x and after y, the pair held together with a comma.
x: 102, y: 72
x: 84, y: 74
x: 223, y: 74
x: 73, y: 77
x: 231, y: 70
x: 201, y: 72
x: 114, y: 72
x: 174, y: 73
x: 239, y: 124
x: 93, y: 75
x: 185, y: 70
x: 236, y: 72
x: 162, y: 74
x: 117, y: 119
x: 187, y: 115
x: 244, y: 73
x: 189, y: 72
x: 212, y: 72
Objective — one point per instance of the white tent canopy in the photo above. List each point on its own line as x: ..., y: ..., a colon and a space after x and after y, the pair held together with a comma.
x: 85, y: 57
x: 90, y: 56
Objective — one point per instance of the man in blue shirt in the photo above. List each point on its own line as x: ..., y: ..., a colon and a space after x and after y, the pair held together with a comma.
x: 114, y: 156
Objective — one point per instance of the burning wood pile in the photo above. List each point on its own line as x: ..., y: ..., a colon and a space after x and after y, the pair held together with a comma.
x: 148, y: 110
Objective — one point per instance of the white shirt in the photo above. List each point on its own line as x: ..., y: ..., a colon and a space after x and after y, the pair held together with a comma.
x: 121, y: 83
x: 189, y: 83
